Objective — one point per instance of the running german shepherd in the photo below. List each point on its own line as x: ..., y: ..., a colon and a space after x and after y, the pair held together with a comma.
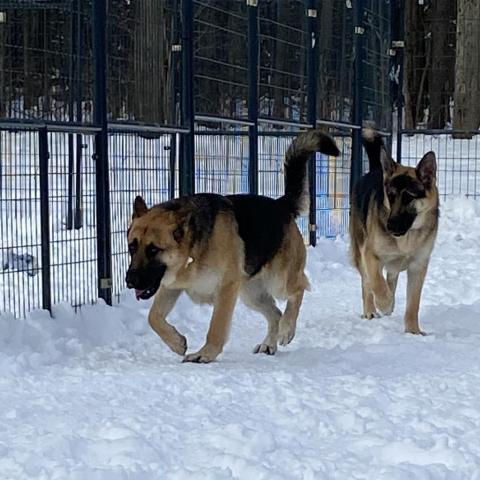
x: 216, y: 248
x: 393, y: 226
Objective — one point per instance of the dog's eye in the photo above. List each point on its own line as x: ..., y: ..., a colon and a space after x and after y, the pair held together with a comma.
x: 408, y: 196
x: 152, y: 250
x: 132, y: 247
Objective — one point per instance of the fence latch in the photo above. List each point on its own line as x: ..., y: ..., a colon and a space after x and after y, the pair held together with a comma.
x: 252, y: 3
x: 312, y: 227
x: 177, y: 47
x: 105, y: 283
x: 312, y: 13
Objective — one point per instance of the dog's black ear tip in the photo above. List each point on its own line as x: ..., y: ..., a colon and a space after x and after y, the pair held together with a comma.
x: 139, y: 207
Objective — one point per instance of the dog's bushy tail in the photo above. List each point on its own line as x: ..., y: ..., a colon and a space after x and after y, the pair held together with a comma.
x: 295, y: 168
x: 373, y: 144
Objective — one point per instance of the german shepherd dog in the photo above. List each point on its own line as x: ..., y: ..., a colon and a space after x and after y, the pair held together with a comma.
x: 393, y: 226
x: 216, y: 248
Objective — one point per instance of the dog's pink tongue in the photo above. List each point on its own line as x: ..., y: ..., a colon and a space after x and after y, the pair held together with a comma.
x: 138, y: 293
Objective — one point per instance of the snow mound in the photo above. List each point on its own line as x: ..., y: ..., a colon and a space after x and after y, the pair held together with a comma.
x: 94, y: 394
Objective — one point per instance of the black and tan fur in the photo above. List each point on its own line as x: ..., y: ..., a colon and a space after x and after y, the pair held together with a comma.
x: 216, y: 248
x: 393, y: 226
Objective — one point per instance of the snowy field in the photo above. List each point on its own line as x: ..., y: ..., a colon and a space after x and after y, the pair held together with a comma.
x: 96, y: 395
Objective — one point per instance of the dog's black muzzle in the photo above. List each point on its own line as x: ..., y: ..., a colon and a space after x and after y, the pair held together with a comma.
x: 145, y: 282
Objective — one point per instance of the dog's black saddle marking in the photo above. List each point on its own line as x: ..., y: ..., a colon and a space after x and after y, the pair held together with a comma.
x: 261, y: 225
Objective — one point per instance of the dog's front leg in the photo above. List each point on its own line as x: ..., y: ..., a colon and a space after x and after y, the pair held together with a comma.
x: 381, y: 292
x: 415, y: 278
x: 163, y: 303
x: 219, y: 325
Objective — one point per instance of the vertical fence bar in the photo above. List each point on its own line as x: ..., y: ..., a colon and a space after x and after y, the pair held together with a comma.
x: 187, y: 141
x: 399, y: 47
x: 253, y: 52
x: 104, y: 250
x: 359, y: 30
x: 312, y: 67
x: 44, y: 218
x: 71, y: 90
x: 176, y: 62
x: 78, y: 219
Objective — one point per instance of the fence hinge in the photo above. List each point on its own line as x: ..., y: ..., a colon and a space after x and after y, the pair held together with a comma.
x: 398, y: 44
x: 105, y: 283
x: 3, y: 17
x: 359, y: 30
x: 312, y: 13
x: 252, y: 3
x: 177, y: 47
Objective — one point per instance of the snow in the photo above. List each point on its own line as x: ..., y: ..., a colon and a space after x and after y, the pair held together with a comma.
x: 96, y: 395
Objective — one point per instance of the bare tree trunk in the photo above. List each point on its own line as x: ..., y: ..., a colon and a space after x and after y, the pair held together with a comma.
x: 326, y: 97
x: 441, y: 74
x: 3, y: 95
x: 150, y: 54
x: 467, y: 66
x: 411, y: 52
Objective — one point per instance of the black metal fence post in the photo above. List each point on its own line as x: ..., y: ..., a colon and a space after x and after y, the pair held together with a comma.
x: 187, y: 141
x: 104, y: 249
x: 253, y: 52
x: 44, y: 218
x: 398, y: 45
x: 78, y: 217
x: 312, y: 81
x: 356, y: 168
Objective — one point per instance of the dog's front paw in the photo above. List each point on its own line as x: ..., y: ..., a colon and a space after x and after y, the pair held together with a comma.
x: 286, y: 332
x: 415, y: 331
x: 206, y: 354
x: 178, y: 344
x: 265, y: 348
x: 370, y: 315
x: 385, y: 303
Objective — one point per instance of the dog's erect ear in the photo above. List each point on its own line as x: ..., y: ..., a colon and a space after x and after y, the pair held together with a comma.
x: 178, y: 233
x: 388, y: 165
x: 427, y: 169
x: 183, y: 220
x: 139, y: 207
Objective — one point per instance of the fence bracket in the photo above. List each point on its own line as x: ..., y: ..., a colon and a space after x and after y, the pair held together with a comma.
x: 105, y: 283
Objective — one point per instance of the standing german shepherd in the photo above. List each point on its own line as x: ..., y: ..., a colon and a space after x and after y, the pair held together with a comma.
x: 393, y: 226
x: 216, y: 248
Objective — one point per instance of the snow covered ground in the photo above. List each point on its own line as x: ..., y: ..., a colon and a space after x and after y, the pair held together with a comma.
x: 96, y: 395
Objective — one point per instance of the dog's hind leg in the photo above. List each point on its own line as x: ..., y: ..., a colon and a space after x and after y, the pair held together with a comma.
x: 261, y: 301
x: 163, y: 303
x: 288, y: 322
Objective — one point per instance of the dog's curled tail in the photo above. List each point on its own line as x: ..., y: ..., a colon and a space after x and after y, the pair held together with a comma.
x: 295, y: 168
x: 373, y: 144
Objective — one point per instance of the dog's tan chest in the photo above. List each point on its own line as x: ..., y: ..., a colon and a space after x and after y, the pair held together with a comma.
x: 398, y: 253
x: 202, y: 286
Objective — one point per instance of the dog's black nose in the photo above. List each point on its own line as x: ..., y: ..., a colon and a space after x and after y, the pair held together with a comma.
x: 130, y: 279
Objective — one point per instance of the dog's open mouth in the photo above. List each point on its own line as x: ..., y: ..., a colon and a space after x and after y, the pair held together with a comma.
x: 145, y: 294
